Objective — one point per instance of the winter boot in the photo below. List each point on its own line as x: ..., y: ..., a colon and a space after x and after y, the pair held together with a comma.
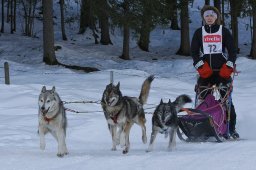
x: 234, y: 134
x: 232, y: 125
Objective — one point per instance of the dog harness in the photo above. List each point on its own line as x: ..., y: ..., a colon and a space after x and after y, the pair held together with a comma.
x: 49, y: 119
x: 114, y: 118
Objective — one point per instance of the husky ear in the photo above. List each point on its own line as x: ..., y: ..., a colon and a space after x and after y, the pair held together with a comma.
x: 118, y: 85
x: 53, y: 89
x: 43, y: 89
x: 109, y: 86
x: 161, y: 101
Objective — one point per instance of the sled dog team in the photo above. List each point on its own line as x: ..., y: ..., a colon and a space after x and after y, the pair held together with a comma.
x: 121, y: 112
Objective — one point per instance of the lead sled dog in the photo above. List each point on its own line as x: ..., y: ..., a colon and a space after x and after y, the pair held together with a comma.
x: 165, y: 120
x: 52, y: 118
x: 121, y: 112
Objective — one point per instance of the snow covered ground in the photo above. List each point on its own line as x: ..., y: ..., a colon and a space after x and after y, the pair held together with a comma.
x: 88, y: 139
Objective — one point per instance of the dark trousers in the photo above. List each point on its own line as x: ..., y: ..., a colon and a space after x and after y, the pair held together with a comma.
x: 215, y: 79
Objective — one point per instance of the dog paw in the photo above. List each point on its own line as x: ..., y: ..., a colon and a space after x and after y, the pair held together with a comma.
x: 60, y: 155
x: 149, y: 150
x: 125, y: 151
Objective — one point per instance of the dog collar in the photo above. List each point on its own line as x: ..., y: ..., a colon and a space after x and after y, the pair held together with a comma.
x: 49, y: 119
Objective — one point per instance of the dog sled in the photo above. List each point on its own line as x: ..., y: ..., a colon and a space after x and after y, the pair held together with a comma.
x: 209, y: 120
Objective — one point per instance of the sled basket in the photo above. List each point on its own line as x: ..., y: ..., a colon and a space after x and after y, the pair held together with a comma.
x: 207, y: 120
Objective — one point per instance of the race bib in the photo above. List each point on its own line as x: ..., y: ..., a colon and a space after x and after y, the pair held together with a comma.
x: 212, y: 42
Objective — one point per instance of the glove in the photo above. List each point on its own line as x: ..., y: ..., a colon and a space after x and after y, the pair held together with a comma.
x: 203, y: 69
x: 226, y: 70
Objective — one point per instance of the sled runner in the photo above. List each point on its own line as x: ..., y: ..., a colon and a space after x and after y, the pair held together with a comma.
x: 210, y: 117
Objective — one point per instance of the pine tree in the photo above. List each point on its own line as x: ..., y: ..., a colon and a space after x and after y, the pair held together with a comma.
x: 253, y: 47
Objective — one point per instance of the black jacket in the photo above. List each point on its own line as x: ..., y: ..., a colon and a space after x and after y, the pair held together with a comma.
x: 215, y: 60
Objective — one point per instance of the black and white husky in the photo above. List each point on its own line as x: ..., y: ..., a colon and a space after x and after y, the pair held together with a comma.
x: 52, y: 118
x: 121, y: 112
x: 165, y: 120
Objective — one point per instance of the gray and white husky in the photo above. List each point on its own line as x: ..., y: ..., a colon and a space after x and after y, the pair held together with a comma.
x: 121, y: 112
x: 52, y: 118
x: 165, y: 120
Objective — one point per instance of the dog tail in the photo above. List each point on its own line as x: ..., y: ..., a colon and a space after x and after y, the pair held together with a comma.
x: 181, y: 101
x: 145, y: 89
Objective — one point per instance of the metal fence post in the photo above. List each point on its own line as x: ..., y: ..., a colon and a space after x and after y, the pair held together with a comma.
x: 6, y: 73
x: 111, y: 77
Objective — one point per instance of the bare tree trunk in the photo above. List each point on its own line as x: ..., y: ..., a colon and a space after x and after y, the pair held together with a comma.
x: 223, y: 12
x: 253, y: 48
x: 11, y: 9
x: 48, y: 34
x: 234, y: 22
x: 14, y: 17
x: 31, y: 21
x: 185, y: 41
x: 174, y: 15
x: 8, y: 12
x: 105, y: 37
x: 126, y: 40
x: 11, y: 17
x: 217, y: 4
x: 29, y: 14
x: 104, y: 24
x: 64, y: 37
x: 87, y: 19
x: 144, y: 37
x: 25, y: 17
x: 126, y: 43
x: 29, y: 33
x: 83, y: 17
x: 2, y: 26
x: 144, y: 31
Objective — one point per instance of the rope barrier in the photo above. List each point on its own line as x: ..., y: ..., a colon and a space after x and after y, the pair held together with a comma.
x: 97, y: 102
x: 83, y: 102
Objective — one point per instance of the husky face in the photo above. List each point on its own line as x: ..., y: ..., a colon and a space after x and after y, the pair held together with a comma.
x: 112, y: 94
x: 48, y: 100
x: 166, y: 112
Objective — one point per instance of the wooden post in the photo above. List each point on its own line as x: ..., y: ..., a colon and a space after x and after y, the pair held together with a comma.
x: 111, y: 77
x: 6, y: 73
